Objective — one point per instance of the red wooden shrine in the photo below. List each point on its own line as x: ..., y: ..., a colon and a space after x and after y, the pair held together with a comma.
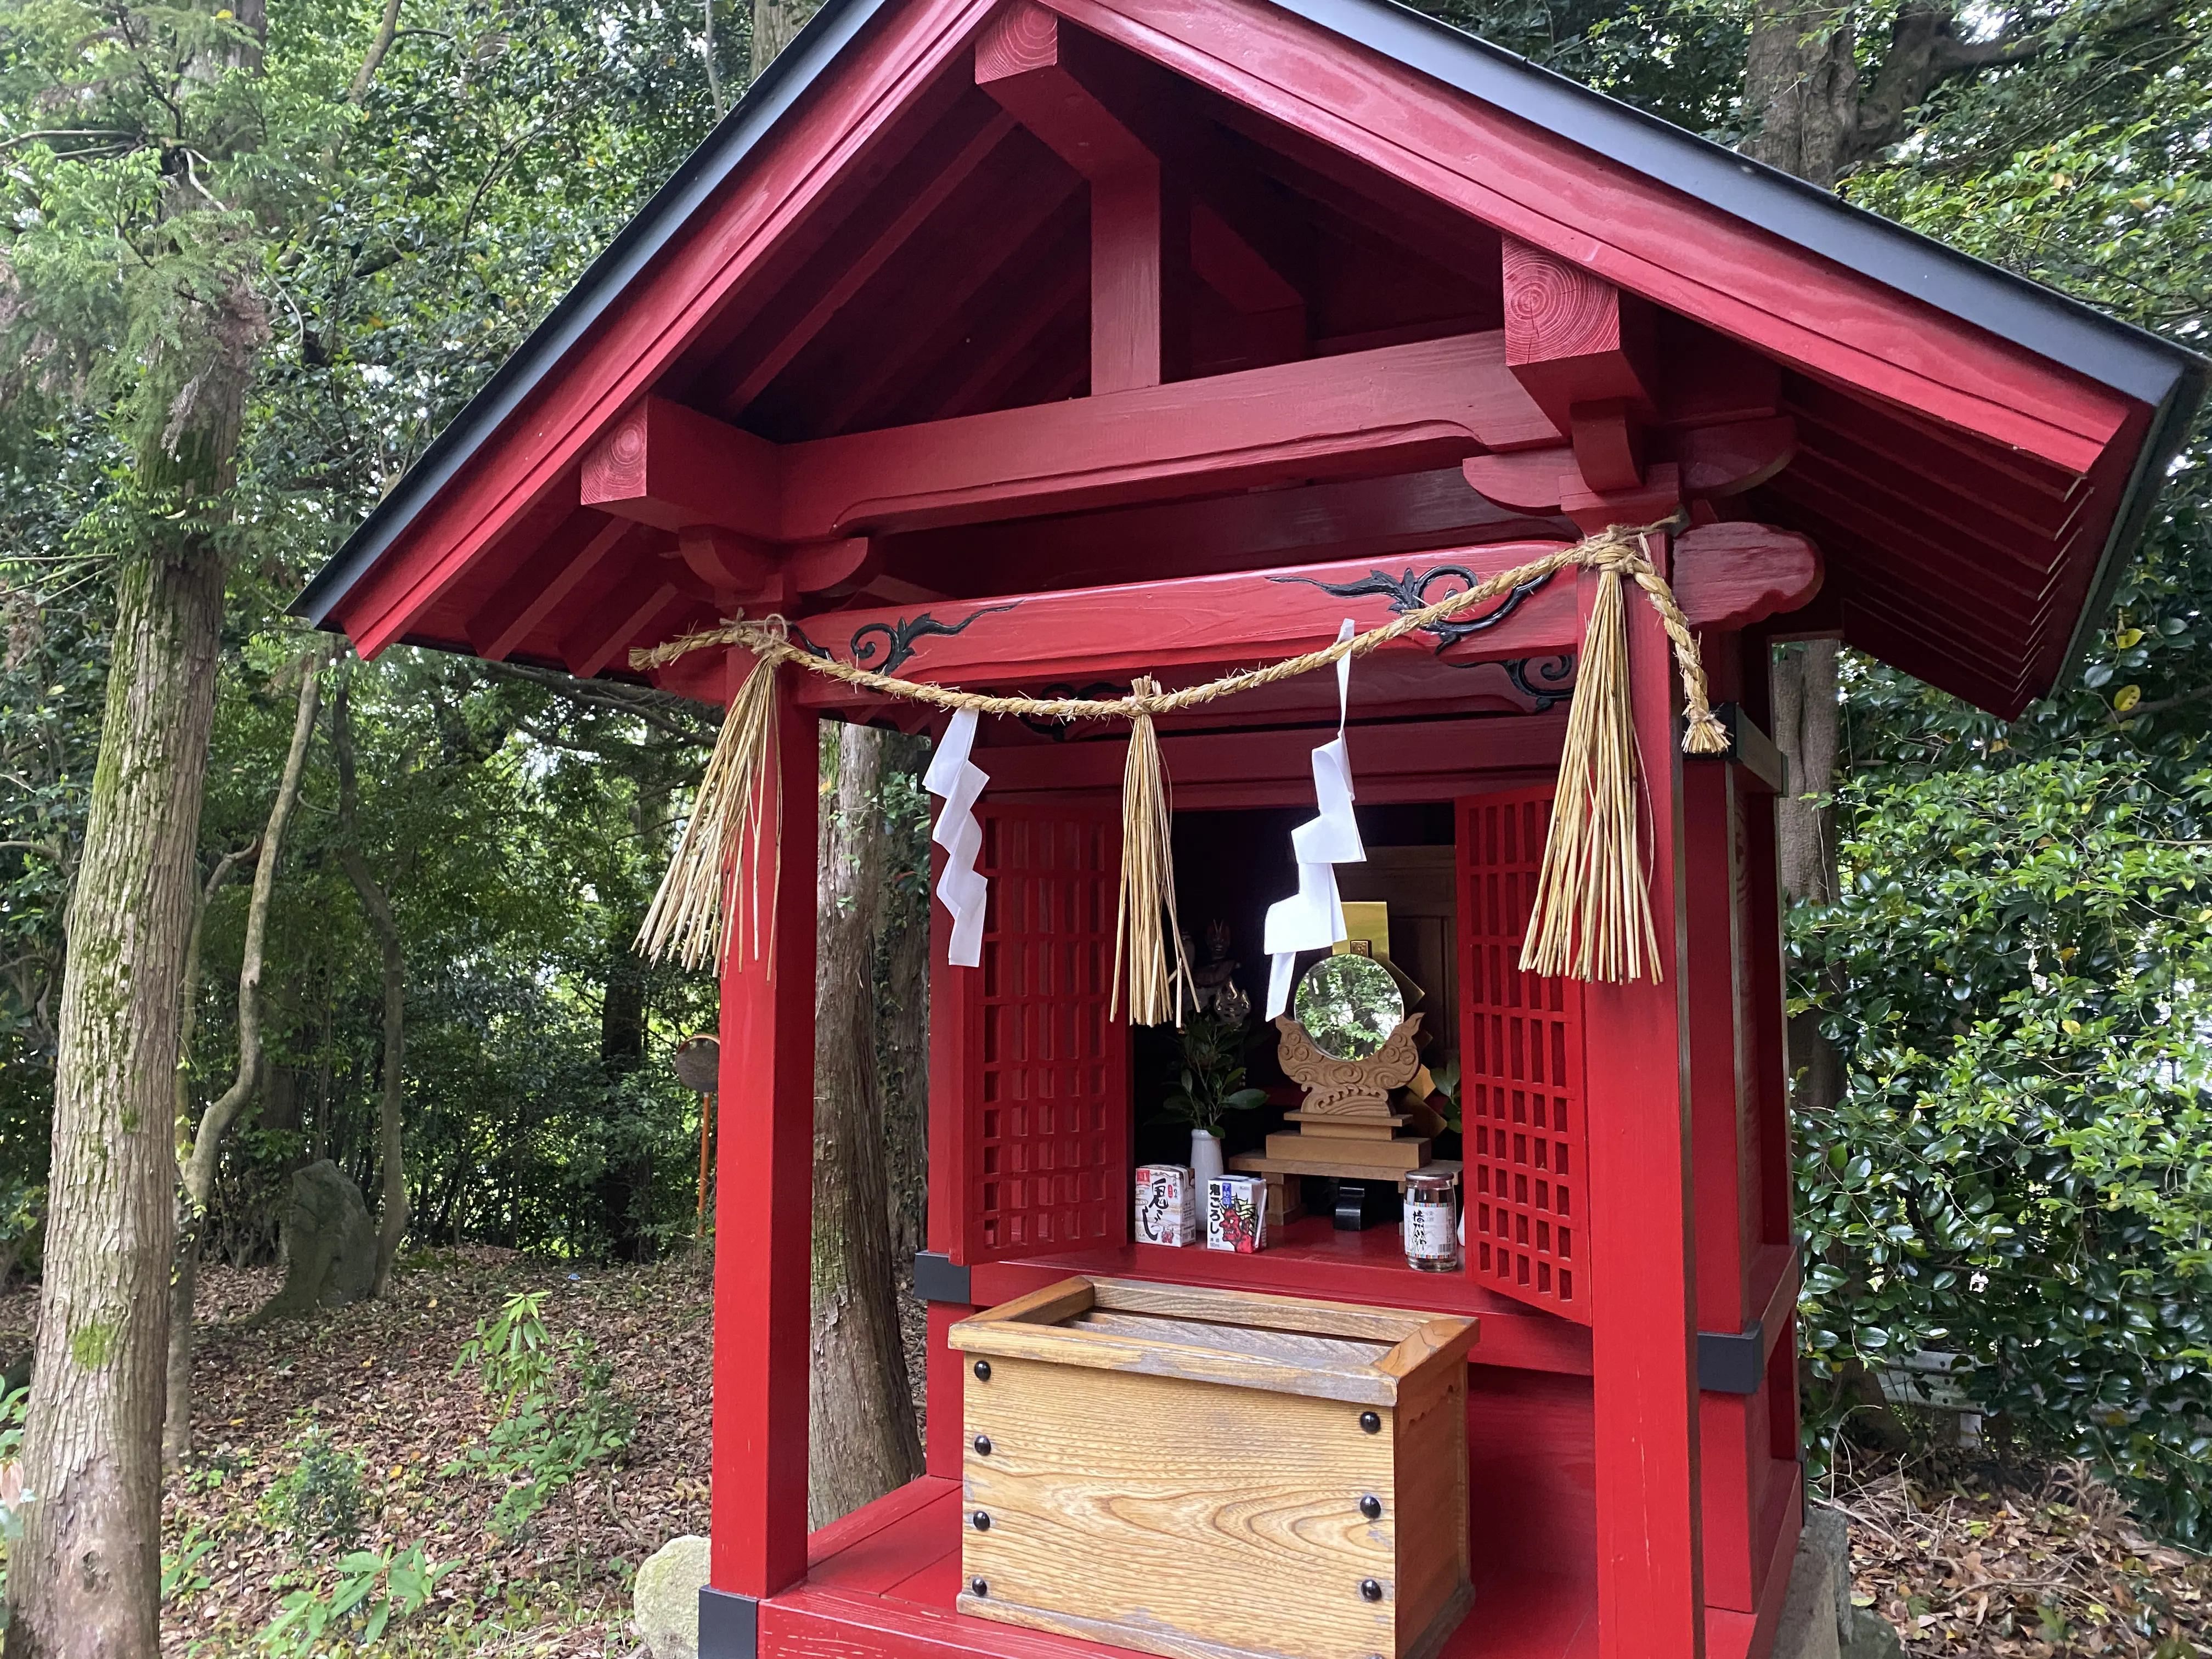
x: 1047, y: 344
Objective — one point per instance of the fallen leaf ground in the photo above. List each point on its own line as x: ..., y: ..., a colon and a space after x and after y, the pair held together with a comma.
x: 1972, y: 1565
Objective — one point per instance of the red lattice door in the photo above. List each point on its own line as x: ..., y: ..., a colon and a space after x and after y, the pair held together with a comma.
x: 1520, y: 1070
x: 1042, y: 1069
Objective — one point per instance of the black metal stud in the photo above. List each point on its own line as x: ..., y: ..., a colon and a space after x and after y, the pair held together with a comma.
x: 981, y: 1521
x: 1371, y: 1507
x: 1370, y: 1591
x: 979, y: 1587
x: 982, y: 1445
x: 1368, y: 1420
x: 983, y: 1370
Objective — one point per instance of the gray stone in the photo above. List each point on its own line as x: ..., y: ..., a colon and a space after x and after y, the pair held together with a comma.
x: 329, y: 1245
x: 665, y: 1603
x: 1870, y: 1635
x: 1810, y: 1626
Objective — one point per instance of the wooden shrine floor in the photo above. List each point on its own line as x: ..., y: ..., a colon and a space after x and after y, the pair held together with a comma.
x: 880, y: 1583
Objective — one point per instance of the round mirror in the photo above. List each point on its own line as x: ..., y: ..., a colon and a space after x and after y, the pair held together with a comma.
x: 1349, y: 1005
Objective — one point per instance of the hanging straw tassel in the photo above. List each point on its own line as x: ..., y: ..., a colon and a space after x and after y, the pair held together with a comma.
x: 714, y: 876
x: 1592, y: 916
x: 1147, y: 881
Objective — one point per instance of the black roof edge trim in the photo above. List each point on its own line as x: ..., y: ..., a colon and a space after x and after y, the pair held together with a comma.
x: 634, y: 247
x: 2118, y: 355
x: 2168, y: 432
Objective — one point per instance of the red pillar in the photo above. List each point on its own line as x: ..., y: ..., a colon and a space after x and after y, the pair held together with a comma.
x: 1644, y: 1331
x: 764, y: 1205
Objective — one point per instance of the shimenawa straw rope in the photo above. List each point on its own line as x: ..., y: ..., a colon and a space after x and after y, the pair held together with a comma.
x: 1592, y: 917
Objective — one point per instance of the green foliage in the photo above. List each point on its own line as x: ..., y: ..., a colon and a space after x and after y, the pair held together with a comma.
x: 367, y: 1589
x: 558, y: 1408
x: 320, y: 1498
x: 180, y: 1572
x: 1209, y: 1084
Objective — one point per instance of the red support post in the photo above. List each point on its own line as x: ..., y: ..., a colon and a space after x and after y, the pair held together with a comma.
x: 1644, y: 1331
x: 764, y: 1205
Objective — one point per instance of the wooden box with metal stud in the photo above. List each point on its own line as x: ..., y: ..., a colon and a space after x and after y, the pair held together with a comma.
x: 1210, y: 1474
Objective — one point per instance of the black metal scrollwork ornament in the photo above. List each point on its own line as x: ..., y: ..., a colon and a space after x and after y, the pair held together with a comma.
x: 1556, y: 673
x: 1408, y: 593
x: 1058, y: 731
x: 885, y: 654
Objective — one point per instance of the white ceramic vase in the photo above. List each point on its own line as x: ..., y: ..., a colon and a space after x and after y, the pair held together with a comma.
x: 1205, y: 1161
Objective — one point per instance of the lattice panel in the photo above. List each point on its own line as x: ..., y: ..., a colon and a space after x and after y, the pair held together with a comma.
x: 1521, y: 1067
x: 1048, y: 1095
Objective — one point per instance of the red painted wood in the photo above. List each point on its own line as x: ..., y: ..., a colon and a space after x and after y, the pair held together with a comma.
x: 1042, y: 1093
x: 605, y: 639
x: 1726, y: 460
x: 998, y: 364
x: 922, y: 1527
x: 1671, y: 249
x: 764, y: 1206
x: 1729, y: 573
x: 839, y: 129
x: 584, y: 544
x: 1712, y: 818
x: 1310, y: 1258
x: 1608, y: 442
x: 1531, y: 1469
x: 1528, y: 480
x: 1522, y: 1104
x: 1343, y: 519
x: 1401, y: 407
x: 854, y: 272
x: 946, y: 1380
x: 671, y: 466
x: 897, y: 1505
x: 1521, y: 1614
x: 1643, y: 1325
x: 1572, y: 337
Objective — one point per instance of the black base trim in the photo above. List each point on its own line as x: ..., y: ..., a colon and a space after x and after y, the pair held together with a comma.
x: 1731, y: 1362
x: 729, y: 1625
x: 1749, y: 748
x: 938, y: 1277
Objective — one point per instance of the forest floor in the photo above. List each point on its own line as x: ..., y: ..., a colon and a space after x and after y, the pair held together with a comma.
x: 1966, y: 1566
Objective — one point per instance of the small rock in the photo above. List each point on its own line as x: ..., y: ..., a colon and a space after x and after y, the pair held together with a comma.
x: 1872, y: 1636
x: 666, y: 1607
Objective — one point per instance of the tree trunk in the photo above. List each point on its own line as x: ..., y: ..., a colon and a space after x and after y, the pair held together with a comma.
x: 627, y: 1176
x: 902, y: 952
x: 85, y: 1577
x: 376, y: 905
x: 1802, y: 85
x: 196, y: 1179
x: 863, y: 1441
x: 775, y: 23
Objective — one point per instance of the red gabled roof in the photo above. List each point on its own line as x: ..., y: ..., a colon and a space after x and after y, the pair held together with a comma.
x: 869, y: 242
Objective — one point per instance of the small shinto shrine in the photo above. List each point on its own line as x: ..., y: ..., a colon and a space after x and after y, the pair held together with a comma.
x: 1089, y: 349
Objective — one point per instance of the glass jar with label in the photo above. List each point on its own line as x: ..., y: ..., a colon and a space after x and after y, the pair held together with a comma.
x: 1431, y: 1224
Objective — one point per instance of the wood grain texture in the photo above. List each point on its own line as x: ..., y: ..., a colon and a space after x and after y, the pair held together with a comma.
x: 1218, y: 1307
x: 1075, y: 1346
x: 1142, y: 1531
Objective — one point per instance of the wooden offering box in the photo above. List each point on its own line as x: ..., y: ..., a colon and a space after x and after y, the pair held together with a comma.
x: 1209, y: 1473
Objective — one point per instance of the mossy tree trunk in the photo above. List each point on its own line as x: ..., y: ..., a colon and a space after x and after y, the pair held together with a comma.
x: 85, y: 1577
x: 863, y: 1441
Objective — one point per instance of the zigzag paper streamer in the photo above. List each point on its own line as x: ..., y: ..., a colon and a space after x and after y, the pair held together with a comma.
x: 959, y: 782
x: 1312, y: 918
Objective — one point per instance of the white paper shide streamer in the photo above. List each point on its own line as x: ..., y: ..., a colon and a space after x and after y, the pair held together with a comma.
x: 959, y: 782
x: 1313, y: 918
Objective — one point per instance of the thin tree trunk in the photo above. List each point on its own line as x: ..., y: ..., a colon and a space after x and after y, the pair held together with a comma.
x: 376, y: 905
x: 863, y: 1441
x: 85, y: 1577
x: 1802, y: 85
x: 195, y: 1181
x: 775, y: 24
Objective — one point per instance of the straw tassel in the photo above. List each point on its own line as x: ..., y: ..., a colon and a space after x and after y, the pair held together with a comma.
x: 1147, y: 881
x: 710, y: 898
x: 1592, y: 916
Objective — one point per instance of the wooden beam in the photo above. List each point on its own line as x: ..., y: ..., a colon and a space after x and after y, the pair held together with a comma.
x: 853, y: 274
x: 1139, y: 219
x: 1400, y: 409
x: 1727, y: 575
x: 764, y: 1209
x: 1313, y: 524
x: 533, y: 592
x: 1002, y: 359
x: 598, y: 639
x: 671, y: 466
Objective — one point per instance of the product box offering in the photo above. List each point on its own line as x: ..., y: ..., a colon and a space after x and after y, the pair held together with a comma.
x: 1167, y: 1204
x: 1236, y: 1214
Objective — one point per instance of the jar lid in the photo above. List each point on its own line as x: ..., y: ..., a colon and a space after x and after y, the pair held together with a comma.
x: 1430, y: 1181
